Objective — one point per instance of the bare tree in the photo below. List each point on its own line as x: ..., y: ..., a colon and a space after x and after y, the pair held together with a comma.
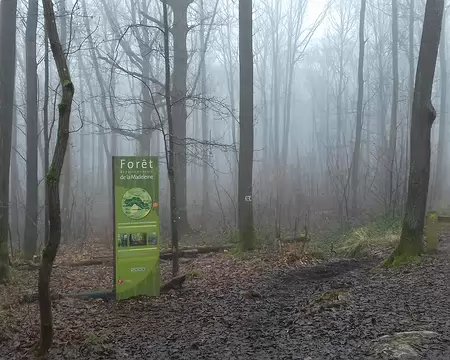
x: 245, y: 206
x: 8, y: 9
x: 170, y: 150
x: 359, y: 109
x: 31, y: 216
x: 53, y: 179
x: 67, y: 169
x: 178, y: 95
x: 394, y: 107
x: 441, y: 164
x: 423, y: 116
x: 205, y: 132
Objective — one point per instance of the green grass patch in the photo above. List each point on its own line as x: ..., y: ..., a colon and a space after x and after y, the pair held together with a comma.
x: 378, y: 235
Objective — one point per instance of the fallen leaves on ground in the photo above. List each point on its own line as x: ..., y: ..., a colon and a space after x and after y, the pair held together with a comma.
x: 250, y: 306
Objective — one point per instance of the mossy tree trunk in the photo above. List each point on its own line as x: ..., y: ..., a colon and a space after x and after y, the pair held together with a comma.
x: 53, y: 179
x: 422, y: 118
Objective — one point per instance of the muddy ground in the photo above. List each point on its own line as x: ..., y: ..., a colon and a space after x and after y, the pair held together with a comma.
x: 229, y: 310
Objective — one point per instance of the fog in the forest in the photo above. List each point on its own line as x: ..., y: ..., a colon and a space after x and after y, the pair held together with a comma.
x: 306, y: 55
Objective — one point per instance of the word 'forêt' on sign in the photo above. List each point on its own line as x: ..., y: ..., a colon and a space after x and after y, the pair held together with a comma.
x: 136, y: 226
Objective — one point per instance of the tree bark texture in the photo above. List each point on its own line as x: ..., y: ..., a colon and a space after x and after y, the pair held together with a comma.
x: 245, y: 205
x: 8, y: 11
x: 53, y: 179
x: 178, y: 95
x: 423, y: 116
x: 359, y: 110
x: 31, y: 214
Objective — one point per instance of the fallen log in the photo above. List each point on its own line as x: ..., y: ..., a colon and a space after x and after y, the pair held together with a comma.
x: 173, y: 284
x: 31, y: 298
x: 164, y: 255
x: 193, y: 252
x: 29, y: 265
x: 90, y: 262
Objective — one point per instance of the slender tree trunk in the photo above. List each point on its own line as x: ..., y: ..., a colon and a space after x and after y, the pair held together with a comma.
x: 359, y: 110
x: 170, y: 150
x: 66, y: 172
x: 15, y: 187
x: 245, y: 205
x: 394, y: 107
x: 82, y: 132
x: 423, y: 116
x: 53, y: 178
x: 46, y: 136
x: 179, y: 91
x: 441, y: 164
x: 205, y: 131
x: 31, y: 214
x: 276, y: 82
x: 411, y: 91
x: 8, y: 10
x: 265, y: 115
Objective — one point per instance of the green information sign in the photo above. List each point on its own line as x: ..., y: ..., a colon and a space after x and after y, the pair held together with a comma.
x: 136, y: 226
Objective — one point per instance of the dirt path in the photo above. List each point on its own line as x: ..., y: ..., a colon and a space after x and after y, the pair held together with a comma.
x: 281, y: 324
x: 282, y: 316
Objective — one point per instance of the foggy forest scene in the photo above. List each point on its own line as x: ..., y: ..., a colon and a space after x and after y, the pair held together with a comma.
x: 301, y: 155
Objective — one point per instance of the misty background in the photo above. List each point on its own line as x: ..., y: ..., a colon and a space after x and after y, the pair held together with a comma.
x: 306, y: 57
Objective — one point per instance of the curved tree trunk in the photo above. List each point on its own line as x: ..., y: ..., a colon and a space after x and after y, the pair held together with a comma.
x: 53, y: 179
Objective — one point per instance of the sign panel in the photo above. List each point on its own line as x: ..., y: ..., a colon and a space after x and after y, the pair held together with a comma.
x: 136, y: 226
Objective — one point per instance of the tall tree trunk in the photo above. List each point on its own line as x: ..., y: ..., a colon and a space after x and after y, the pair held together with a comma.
x: 31, y: 217
x: 66, y: 172
x: 410, y: 90
x: 245, y: 205
x: 179, y: 113
x: 53, y: 178
x: 394, y: 107
x: 82, y: 132
x: 8, y: 10
x: 170, y: 150
x: 46, y: 136
x: 15, y: 187
x: 205, y: 132
x: 276, y: 82
x: 423, y: 116
x: 265, y: 115
x: 359, y: 110
x: 441, y: 163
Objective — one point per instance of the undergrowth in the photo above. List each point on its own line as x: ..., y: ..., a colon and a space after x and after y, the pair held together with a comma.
x: 382, y: 234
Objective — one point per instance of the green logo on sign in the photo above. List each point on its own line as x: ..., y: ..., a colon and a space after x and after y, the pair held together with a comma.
x: 136, y: 203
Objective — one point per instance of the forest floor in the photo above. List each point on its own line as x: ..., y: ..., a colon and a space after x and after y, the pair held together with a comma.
x: 231, y: 307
